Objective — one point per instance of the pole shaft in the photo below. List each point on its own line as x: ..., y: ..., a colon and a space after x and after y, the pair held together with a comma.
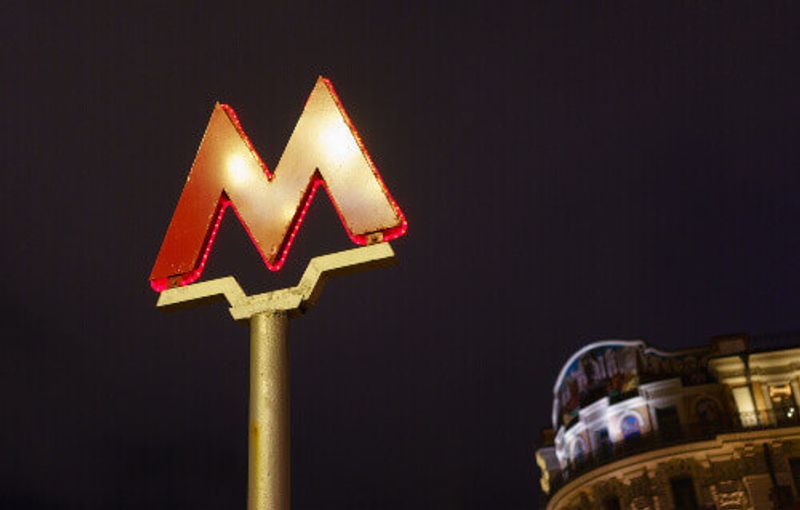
x: 268, y: 485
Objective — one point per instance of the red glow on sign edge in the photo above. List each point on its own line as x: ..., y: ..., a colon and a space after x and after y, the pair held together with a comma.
x: 161, y: 284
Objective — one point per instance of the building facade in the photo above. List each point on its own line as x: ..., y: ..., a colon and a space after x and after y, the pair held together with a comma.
x: 717, y: 427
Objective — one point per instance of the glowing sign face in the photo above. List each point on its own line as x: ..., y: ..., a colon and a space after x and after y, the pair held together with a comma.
x: 324, y: 149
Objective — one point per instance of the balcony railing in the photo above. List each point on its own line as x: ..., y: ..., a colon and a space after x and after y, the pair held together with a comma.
x: 670, y: 436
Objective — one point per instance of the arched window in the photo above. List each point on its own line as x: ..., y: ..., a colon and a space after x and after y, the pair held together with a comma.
x: 578, y: 450
x: 612, y: 503
x: 708, y: 411
x: 630, y: 427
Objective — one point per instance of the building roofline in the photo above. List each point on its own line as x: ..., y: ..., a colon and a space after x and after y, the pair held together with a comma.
x: 605, y: 343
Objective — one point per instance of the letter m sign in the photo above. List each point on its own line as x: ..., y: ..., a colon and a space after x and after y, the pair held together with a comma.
x: 324, y: 149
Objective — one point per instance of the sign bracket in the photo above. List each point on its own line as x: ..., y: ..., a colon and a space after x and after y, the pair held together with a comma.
x: 269, y: 445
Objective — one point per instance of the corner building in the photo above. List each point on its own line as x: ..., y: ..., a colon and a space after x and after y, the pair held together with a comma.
x: 717, y: 427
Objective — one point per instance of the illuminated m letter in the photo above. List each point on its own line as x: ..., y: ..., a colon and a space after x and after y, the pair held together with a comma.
x: 323, y: 149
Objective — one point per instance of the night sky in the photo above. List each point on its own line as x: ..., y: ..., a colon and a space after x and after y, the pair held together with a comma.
x: 569, y: 173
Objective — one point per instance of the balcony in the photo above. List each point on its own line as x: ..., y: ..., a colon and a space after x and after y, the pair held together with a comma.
x: 671, y: 436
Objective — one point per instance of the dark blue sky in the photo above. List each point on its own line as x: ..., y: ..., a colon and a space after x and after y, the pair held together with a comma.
x: 569, y: 173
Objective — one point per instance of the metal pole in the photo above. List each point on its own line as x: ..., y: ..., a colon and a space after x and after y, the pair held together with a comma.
x: 268, y: 485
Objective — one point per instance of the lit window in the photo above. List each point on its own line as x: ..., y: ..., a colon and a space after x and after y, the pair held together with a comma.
x: 783, y: 403
x: 630, y: 427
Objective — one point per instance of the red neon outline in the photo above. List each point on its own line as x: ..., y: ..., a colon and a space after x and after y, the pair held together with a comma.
x: 162, y: 284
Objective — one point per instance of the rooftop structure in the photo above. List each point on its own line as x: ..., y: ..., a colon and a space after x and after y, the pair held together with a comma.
x: 716, y: 426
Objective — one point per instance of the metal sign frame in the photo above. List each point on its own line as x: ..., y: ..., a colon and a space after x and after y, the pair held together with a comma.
x: 324, y: 150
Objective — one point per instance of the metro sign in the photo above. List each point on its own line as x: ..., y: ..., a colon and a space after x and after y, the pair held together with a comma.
x: 324, y: 149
